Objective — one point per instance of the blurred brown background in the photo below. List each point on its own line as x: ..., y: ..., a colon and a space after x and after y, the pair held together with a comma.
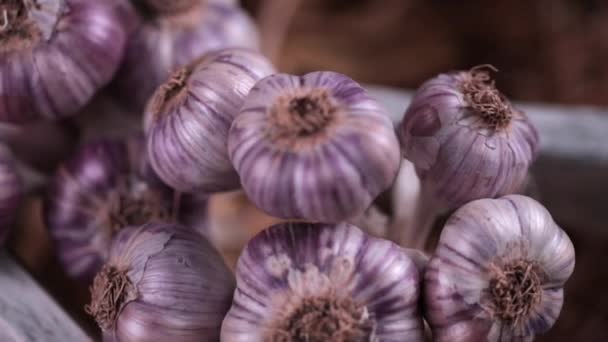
x: 547, y: 50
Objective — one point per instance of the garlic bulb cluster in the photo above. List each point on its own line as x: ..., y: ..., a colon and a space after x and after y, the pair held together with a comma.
x: 167, y: 40
x: 188, y: 119
x: 466, y: 139
x: 315, y: 147
x: 10, y: 191
x: 55, y: 54
x: 322, y: 282
x: 498, y: 272
x: 162, y: 282
x: 106, y: 186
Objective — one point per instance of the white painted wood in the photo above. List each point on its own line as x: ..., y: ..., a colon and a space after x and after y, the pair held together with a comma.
x: 27, y: 312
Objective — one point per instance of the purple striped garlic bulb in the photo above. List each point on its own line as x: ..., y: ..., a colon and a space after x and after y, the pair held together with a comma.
x: 56, y: 54
x: 498, y: 273
x: 466, y: 139
x: 106, y: 186
x: 188, y: 118
x: 168, y: 40
x: 11, y: 188
x: 162, y: 282
x: 314, y: 147
x: 322, y: 282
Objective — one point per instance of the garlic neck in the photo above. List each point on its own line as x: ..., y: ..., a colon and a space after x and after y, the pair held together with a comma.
x: 111, y: 290
x: 304, y: 114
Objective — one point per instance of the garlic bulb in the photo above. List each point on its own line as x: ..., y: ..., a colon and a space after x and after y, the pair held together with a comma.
x: 498, y: 272
x: 106, y: 186
x: 321, y: 282
x: 315, y: 147
x: 188, y: 119
x: 165, y: 42
x: 466, y: 139
x: 10, y: 191
x: 56, y: 54
x: 162, y: 282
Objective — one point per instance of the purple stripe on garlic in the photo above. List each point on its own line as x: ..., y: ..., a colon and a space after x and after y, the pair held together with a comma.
x: 106, y: 186
x: 163, y: 43
x: 10, y: 191
x: 466, y: 139
x: 189, y: 117
x: 498, y: 272
x: 162, y: 282
x: 56, y: 54
x: 320, y: 282
x: 315, y: 147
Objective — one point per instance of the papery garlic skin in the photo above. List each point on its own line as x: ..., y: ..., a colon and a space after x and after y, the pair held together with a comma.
x: 461, y: 154
x: 164, y: 43
x: 315, y: 147
x: 176, y: 287
x: 484, y: 239
x: 11, y: 188
x: 289, y: 264
x: 188, y: 118
x: 72, y: 49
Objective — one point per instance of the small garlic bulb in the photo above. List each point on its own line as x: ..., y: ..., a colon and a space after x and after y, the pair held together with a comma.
x: 466, y: 139
x: 315, y: 147
x: 320, y: 282
x: 498, y: 272
x: 188, y: 119
x: 162, y: 282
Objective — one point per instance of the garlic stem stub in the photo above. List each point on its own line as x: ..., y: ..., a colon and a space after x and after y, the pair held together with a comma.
x: 188, y: 119
x: 56, y: 54
x: 11, y: 188
x: 106, y: 186
x: 162, y: 282
x: 314, y: 147
x: 165, y: 42
x: 323, y: 282
x: 466, y: 139
x: 498, y: 272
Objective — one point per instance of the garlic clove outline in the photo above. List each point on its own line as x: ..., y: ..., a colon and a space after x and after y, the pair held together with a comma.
x: 498, y: 272
x: 314, y: 147
x: 290, y: 274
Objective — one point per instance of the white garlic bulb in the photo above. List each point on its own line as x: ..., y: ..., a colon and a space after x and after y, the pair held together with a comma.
x: 498, y: 272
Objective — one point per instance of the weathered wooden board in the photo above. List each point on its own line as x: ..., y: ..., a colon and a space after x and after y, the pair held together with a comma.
x: 572, y: 169
x: 27, y: 313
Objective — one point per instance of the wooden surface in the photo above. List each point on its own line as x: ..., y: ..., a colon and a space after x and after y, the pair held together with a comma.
x: 27, y: 313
